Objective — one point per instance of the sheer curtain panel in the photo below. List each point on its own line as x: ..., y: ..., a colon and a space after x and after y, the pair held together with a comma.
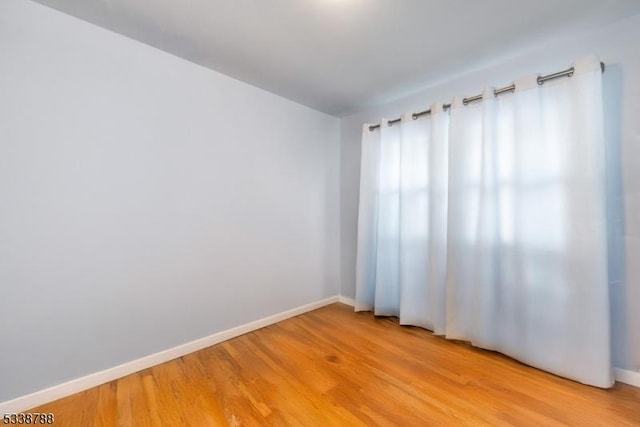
x: 401, y: 264
x: 486, y: 223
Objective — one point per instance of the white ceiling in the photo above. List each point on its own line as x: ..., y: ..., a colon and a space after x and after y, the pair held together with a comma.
x: 339, y: 56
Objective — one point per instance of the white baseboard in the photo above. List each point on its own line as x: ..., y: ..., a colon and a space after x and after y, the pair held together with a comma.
x: 626, y: 376
x: 347, y: 300
x: 56, y: 392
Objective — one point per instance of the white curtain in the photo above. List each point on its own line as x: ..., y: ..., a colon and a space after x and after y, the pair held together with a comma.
x: 487, y: 223
x: 402, y: 238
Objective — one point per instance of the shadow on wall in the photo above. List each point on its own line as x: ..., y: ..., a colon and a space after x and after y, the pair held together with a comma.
x: 613, y: 92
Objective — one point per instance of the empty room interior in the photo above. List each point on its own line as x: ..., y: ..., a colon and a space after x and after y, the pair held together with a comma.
x: 320, y: 212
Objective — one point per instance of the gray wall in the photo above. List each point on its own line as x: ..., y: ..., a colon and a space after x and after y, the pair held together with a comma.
x: 146, y: 201
x: 618, y: 45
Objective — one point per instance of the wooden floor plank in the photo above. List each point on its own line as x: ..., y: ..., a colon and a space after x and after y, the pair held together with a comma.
x: 336, y: 367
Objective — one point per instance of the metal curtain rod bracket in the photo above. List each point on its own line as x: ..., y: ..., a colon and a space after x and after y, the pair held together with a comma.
x: 465, y: 101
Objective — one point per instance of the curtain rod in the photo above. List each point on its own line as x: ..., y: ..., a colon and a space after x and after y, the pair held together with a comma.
x: 568, y: 73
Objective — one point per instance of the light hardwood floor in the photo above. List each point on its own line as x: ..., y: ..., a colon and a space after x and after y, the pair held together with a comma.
x: 334, y: 367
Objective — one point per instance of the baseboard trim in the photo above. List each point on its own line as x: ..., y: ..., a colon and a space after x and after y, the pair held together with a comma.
x: 56, y: 392
x: 627, y: 376
x: 347, y: 300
